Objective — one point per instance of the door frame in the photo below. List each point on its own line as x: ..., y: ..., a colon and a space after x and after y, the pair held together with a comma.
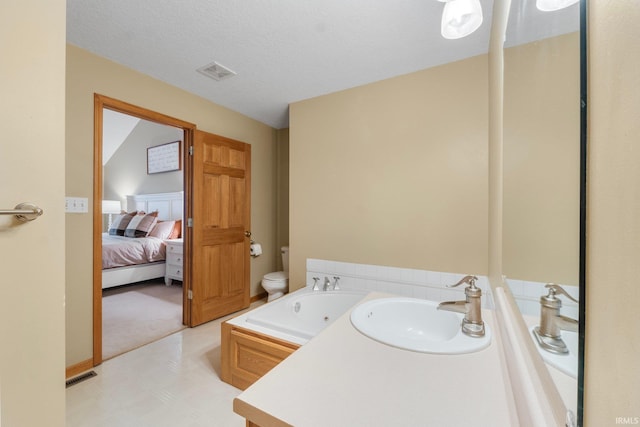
x: 103, y: 102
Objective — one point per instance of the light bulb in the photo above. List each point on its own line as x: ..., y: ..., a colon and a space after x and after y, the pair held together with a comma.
x: 551, y: 5
x: 460, y: 18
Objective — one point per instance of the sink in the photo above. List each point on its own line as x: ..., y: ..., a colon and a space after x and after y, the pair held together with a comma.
x: 567, y: 362
x: 416, y: 325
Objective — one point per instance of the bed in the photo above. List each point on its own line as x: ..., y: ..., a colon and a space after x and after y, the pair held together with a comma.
x: 138, y: 256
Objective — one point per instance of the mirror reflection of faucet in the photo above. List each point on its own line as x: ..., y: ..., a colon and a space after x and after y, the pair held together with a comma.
x: 551, y: 321
x: 472, y: 324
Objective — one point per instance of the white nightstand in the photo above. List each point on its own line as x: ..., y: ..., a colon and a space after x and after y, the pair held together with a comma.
x: 173, y: 261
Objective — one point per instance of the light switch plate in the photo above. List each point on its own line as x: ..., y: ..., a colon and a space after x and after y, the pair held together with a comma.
x: 76, y: 205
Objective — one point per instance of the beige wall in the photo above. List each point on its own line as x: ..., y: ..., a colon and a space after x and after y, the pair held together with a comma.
x: 32, y: 80
x: 88, y: 74
x: 495, y: 158
x: 612, y: 372
x: 541, y: 161
x: 282, y: 186
x: 388, y: 174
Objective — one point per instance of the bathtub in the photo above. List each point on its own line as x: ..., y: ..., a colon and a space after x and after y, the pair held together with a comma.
x: 299, y: 316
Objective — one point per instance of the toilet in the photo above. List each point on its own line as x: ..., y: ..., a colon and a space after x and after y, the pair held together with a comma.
x: 277, y: 283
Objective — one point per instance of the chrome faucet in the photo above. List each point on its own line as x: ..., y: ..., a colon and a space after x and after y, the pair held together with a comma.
x: 327, y: 284
x: 315, y: 284
x: 551, y: 321
x: 335, y: 283
x: 472, y: 323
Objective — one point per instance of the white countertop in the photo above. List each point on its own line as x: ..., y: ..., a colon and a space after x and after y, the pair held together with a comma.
x: 342, y: 378
x: 567, y: 386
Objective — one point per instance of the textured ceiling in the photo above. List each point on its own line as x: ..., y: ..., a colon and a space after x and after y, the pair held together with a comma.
x: 282, y: 51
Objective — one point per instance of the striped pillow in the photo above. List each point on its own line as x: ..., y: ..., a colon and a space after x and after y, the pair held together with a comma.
x: 141, y: 225
x: 120, y: 223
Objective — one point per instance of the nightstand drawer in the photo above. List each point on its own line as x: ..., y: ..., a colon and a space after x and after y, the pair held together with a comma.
x: 173, y: 248
x: 174, y: 271
x: 174, y: 258
x: 174, y: 261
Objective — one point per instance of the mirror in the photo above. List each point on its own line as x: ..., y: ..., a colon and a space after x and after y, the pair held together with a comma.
x: 541, y: 235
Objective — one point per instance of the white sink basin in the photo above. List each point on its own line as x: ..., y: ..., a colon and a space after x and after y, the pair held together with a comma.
x: 416, y: 325
x: 567, y: 362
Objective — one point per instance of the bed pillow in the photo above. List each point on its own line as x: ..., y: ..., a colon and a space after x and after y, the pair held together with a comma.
x: 162, y: 229
x: 120, y: 223
x: 141, y: 225
x: 176, y: 233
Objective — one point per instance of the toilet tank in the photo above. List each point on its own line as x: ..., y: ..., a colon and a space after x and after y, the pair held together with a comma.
x: 285, y: 258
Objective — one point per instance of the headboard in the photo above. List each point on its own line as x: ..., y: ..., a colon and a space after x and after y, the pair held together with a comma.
x: 170, y: 206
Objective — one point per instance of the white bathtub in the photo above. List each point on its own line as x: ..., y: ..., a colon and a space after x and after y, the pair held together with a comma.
x: 299, y: 316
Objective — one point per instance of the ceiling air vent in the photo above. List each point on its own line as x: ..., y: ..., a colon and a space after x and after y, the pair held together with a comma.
x: 216, y: 71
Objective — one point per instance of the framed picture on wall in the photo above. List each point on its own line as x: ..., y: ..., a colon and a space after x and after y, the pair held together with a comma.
x: 164, y: 158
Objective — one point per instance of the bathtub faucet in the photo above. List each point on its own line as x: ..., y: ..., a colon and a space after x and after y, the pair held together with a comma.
x: 472, y: 323
x: 327, y: 284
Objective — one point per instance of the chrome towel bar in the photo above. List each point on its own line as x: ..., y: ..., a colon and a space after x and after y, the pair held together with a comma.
x: 23, y: 212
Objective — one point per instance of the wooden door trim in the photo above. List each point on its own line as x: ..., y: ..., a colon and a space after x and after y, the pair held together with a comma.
x: 101, y: 102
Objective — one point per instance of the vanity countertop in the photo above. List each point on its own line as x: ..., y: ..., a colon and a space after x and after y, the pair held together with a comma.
x: 342, y: 378
x: 567, y: 386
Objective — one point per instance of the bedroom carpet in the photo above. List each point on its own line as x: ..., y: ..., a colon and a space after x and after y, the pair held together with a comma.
x: 135, y: 315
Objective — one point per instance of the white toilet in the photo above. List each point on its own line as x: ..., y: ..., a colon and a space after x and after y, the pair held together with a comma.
x: 277, y: 283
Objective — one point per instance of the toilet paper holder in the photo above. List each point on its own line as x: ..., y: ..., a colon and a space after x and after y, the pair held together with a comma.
x: 255, y: 249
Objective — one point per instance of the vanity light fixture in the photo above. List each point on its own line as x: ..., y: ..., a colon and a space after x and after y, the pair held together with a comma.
x: 460, y: 18
x: 551, y: 5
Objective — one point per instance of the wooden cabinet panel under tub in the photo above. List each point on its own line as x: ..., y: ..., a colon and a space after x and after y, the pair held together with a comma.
x: 246, y: 355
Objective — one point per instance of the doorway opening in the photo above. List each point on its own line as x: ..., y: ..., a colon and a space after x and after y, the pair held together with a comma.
x: 141, y: 296
x: 178, y: 181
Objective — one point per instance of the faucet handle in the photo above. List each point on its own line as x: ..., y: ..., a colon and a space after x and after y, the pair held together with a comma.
x: 335, y: 283
x: 327, y: 284
x: 470, y: 280
x: 315, y: 284
x: 553, y: 288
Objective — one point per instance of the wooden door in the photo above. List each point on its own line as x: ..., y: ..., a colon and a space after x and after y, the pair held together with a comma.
x: 220, y: 210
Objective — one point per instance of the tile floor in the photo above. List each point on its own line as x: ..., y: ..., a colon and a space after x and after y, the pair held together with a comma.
x: 172, y: 382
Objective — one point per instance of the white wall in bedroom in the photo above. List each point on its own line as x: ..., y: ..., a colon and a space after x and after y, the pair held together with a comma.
x: 126, y: 172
